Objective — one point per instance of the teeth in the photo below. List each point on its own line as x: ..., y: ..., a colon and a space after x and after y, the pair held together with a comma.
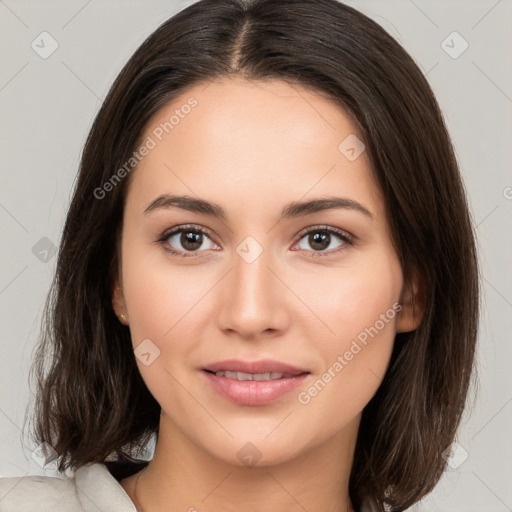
x: 252, y: 376
x: 266, y: 376
x: 241, y: 376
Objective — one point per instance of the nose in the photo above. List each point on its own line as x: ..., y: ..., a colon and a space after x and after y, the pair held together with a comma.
x: 253, y: 300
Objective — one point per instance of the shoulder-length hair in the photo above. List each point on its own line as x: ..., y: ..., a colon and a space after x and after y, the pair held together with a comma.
x: 91, y: 400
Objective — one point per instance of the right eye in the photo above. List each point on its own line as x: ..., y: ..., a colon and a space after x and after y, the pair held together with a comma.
x: 190, y: 237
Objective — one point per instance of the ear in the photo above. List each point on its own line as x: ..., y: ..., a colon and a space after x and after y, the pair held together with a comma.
x: 118, y: 302
x: 412, y: 300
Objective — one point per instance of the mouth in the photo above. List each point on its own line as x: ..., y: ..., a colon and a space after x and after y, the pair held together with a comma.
x: 253, y: 383
x: 252, y: 376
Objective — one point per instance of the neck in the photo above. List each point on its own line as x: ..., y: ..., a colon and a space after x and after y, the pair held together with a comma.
x: 183, y: 476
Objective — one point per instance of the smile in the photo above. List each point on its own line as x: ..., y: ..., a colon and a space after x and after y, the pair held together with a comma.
x: 253, y: 376
x: 253, y: 389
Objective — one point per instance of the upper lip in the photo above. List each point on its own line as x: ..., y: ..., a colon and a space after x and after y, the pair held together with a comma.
x: 263, y: 366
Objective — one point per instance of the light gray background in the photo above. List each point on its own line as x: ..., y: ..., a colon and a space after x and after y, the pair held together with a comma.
x: 47, y: 107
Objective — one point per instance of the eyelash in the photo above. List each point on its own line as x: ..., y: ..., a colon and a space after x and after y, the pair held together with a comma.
x: 345, y: 237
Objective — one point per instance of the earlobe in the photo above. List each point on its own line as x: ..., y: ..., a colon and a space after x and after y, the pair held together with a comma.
x: 413, y: 306
x: 118, y: 303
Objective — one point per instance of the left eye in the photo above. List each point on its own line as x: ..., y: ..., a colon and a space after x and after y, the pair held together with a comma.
x: 193, y: 238
x: 319, y: 239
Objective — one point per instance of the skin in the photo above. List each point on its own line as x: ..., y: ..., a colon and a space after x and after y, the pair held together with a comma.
x: 253, y: 147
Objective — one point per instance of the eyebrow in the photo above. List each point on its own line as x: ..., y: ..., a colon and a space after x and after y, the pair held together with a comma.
x: 293, y: 209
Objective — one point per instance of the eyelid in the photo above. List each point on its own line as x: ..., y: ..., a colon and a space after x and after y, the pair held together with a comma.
x: 345, y: 236
x: 177, y: 229
x: 331, y: 229
x: 347, y: 240
x: 182, y: 227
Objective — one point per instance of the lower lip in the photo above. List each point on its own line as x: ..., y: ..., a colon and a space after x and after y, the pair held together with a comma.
x: 254, y: 392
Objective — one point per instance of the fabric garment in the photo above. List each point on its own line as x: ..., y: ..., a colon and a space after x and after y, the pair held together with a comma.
x: 92, y: 488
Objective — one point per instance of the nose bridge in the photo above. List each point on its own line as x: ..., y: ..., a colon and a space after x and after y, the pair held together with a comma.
x: 252, y: 300
x: 252, y: 281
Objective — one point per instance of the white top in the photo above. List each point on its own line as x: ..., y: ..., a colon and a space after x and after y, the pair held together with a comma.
x: 91, y: 489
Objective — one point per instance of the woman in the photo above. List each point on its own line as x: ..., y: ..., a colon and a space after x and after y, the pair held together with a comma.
x: 269, y: 265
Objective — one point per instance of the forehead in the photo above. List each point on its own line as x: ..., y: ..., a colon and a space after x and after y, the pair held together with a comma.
x: 260, y: 140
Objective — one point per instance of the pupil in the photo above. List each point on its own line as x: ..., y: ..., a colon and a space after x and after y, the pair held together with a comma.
x: 192, y: 241
x: 189, y: 238
x: 319, y: 238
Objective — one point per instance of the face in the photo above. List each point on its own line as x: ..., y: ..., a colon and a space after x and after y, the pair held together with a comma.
x: 304, y: 296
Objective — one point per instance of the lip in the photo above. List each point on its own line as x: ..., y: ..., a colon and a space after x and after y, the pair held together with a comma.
x: 263, y: 366
x: 251, y: 392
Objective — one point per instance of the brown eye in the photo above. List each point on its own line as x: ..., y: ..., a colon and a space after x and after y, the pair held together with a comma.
x: 319, y: 241
x: 190, y: 240
x: 185, y: 241
x: 324, y: 241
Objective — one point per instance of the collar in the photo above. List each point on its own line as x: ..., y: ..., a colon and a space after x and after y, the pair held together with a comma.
x: 98, y: 489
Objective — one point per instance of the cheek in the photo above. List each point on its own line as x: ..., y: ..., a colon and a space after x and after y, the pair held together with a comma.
x: 161, y: 298
x: 345, y: 319
x: 351, y: 377
x: 164, y: 304
x: 361, y: 309
x: 171, y: 303
x: 347, y: 300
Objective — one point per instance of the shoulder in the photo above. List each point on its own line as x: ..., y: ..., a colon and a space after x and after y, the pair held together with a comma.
x: 28, y: 493
x: 91, y: 488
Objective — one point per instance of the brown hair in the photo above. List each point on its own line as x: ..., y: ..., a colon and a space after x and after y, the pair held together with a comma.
x: 92, y: 401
